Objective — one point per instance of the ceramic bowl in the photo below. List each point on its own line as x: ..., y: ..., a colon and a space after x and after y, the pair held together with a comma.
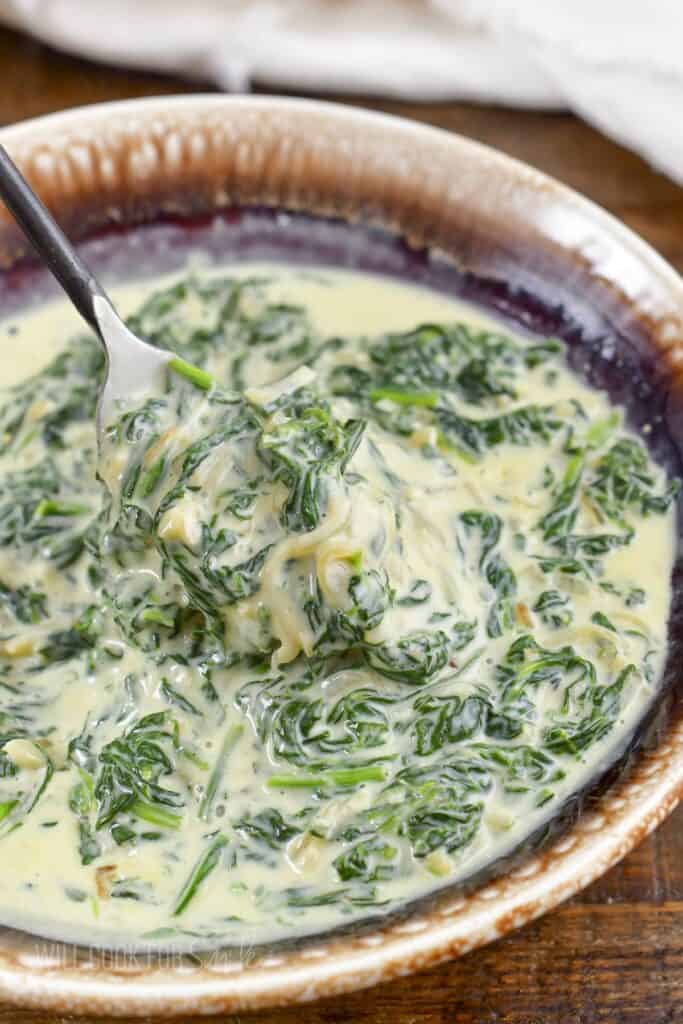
x: 307, y: 180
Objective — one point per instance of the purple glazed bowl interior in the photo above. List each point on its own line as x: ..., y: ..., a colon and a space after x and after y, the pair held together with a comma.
x: 143, y: 185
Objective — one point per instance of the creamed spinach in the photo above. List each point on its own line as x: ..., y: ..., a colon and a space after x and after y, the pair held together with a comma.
x: 342, y: 615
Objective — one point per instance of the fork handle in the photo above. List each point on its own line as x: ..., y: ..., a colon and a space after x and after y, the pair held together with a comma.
x: 47, y: 237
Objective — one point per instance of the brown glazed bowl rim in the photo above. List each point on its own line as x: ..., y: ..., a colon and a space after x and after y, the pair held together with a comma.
x: 136, y: 160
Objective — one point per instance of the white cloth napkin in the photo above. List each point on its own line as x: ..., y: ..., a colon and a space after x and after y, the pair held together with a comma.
x: 618, y: 63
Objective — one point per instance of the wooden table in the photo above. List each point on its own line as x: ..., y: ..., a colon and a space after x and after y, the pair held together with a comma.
x: 614, y: 954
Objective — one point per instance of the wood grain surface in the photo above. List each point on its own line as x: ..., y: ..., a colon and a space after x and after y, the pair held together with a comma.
x: 614, y: 954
